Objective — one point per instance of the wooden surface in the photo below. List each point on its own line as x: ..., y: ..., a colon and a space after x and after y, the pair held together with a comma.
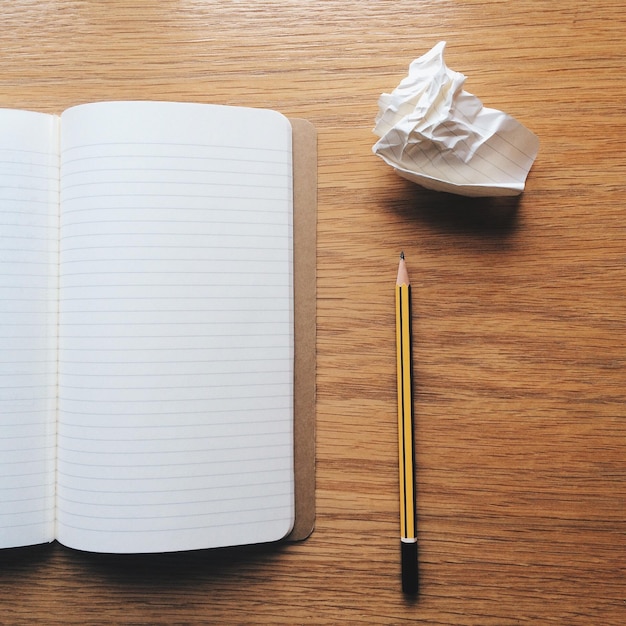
x: 519, y: 311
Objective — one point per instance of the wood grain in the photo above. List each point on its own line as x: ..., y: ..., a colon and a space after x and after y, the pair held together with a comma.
x: 519, y: 312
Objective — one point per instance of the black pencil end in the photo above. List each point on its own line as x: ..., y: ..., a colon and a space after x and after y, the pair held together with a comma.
x: 409, y: 568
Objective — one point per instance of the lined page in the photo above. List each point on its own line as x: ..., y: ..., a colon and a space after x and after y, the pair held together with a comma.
x: 176, y: 327
x: 28, y: 325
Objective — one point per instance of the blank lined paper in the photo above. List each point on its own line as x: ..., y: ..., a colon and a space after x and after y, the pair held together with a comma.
x: 176, y: 327
x: 28, y: 324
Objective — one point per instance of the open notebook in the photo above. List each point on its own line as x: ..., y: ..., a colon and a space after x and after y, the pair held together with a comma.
x: 151, y: 347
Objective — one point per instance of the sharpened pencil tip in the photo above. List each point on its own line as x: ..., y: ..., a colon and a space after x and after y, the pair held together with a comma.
x: 403, y: 276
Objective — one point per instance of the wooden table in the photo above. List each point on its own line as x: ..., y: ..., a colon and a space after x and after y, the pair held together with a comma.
x: 519, y: 311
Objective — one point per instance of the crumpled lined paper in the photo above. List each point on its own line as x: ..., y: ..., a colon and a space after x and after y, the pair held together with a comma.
x: 441, y: 137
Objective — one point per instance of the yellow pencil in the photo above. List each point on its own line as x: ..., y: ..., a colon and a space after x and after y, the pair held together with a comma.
x: 408, y: 534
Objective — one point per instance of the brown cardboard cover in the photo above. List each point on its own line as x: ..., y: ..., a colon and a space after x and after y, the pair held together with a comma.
x: 304, y: 245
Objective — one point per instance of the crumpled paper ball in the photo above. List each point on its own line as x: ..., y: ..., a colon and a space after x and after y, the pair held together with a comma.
x: 434, y: 133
